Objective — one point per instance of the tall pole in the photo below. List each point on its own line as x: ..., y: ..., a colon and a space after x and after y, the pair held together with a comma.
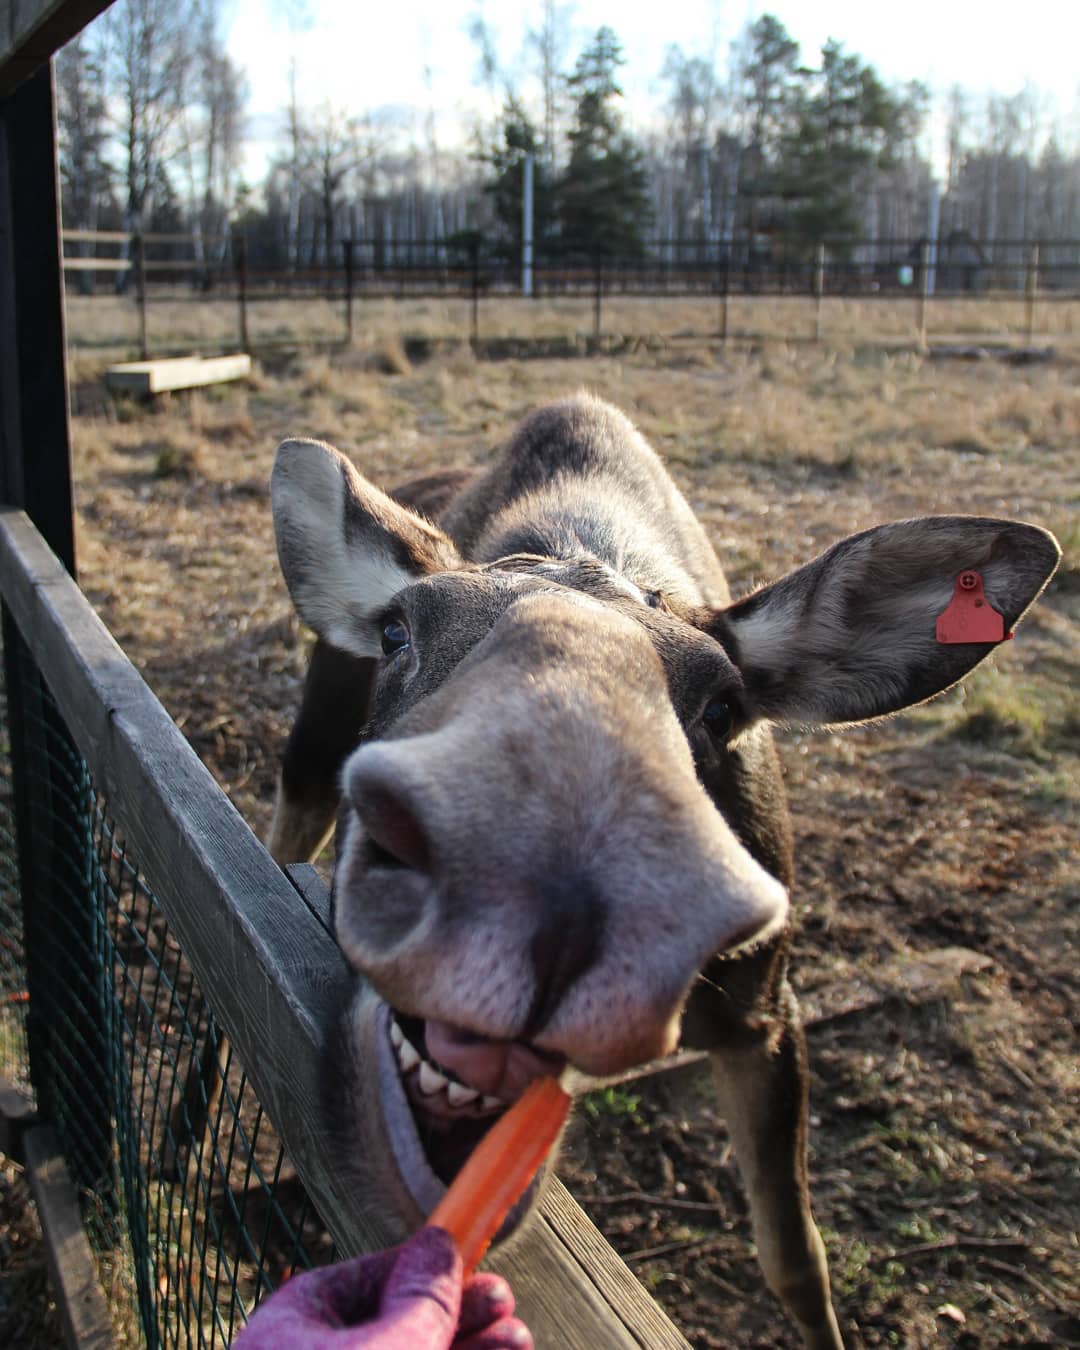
x: 933, y: 225
x: 527, y: 227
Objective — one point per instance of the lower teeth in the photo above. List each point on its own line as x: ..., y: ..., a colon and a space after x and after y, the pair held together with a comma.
x: 431, y: 1081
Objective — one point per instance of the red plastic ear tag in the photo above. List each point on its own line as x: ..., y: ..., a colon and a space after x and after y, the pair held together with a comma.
x: 969, y: 616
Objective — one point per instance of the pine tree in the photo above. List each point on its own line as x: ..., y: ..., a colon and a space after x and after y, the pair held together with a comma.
x: 767, y: 72
x: 847, y: 125
x: 518, y: 137
x: 603, y: 197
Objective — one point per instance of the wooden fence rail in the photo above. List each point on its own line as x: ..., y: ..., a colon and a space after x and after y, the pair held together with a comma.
x: 261, y: 948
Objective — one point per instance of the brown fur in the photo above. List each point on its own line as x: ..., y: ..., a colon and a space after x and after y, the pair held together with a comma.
x: 571, y: 751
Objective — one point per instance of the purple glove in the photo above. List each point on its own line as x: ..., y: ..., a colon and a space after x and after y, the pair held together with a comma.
x: 407, y: 1298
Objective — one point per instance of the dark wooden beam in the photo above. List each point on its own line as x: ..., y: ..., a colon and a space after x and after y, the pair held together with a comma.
x: 50, y: 799
x: 31, y: 30
x: 35, y: 436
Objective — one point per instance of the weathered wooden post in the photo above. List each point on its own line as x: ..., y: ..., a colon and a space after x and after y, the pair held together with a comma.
x: 819, y: 290
x: 241, y: 264
x: 1031, y: 292
x: 347, y: 245
x: 138, y: 251
x: 725, y: 292
x: 474, y: 259
x: 69, y: 1055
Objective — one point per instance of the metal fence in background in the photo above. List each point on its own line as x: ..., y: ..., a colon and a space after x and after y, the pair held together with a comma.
x: 382, y: 266
x: 475, y: 268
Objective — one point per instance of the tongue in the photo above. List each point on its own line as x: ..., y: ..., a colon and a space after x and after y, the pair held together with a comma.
x: 502, y: 1069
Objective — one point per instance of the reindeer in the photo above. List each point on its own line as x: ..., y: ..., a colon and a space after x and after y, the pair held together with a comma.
x: 562, y: 834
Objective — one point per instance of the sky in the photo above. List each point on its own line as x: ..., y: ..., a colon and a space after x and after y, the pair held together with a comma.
x: 359, y: 55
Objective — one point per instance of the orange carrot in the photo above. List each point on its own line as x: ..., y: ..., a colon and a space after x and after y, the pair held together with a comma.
x: 499, y: 1169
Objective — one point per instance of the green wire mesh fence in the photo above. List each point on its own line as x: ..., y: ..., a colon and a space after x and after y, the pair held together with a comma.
x: 192, y: 1208
x: 14, y: 998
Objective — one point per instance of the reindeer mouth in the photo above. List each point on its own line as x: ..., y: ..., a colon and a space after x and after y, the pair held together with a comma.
x: 451, y: 1085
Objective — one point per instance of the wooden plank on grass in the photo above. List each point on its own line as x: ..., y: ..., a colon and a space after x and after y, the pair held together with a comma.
x: 271, y: 971
x: 96, y: 236
x: 97, y: 264
x: 178, y: 372
x: 72, y: 1268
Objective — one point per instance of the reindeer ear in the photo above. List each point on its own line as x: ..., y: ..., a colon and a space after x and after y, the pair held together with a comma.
x: 346, y: 548
x: 852, y: 635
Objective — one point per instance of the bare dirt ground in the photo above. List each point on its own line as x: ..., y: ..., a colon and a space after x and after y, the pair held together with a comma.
x: 945, y: 1145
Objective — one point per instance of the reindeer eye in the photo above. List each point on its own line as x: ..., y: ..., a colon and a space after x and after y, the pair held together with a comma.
x: 718, y: 719
x: 395, y: 637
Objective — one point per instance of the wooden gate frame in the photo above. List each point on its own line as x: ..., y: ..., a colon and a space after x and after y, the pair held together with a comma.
x: 237, y: 916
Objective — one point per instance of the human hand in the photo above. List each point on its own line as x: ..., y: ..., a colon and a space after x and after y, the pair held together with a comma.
x: 407, y: 1298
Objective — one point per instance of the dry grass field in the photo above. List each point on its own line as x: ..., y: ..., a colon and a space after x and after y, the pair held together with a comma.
x: 945, y: 1147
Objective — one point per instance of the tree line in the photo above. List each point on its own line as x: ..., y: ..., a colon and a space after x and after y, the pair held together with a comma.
x: 768, y: 152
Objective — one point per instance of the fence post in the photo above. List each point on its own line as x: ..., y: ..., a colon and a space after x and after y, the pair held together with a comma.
x: 70, y: 1059
x: 598, y: 294
x: 347, y: 245
x: 241, y: 264
x: 474, y: 259
x: 138, y: 248
x: 1032, y: 289
x: 819, y: 290
x: 725, y: 292
x: 527, y: 226
x: 924, y: 291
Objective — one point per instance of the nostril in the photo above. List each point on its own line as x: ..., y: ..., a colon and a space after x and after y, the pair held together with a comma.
x: 566, y: 943
x: 395, y: 837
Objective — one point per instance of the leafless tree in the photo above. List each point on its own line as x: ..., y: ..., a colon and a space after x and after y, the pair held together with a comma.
x: 83, y: 130
x: 332, y: 152
x: 149, y: 54
x: 693, y: 101
x: 551, y: 43
x: 220, y: 93
x: 299, y: 18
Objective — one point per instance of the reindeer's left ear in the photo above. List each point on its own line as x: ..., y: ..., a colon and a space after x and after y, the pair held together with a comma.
x: 852, y: 635
x: 345, y: 547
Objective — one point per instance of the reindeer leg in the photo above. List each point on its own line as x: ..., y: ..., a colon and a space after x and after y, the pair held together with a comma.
x: 762, y: 1083
x: 743, y: 1012
x: 327, y: 729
